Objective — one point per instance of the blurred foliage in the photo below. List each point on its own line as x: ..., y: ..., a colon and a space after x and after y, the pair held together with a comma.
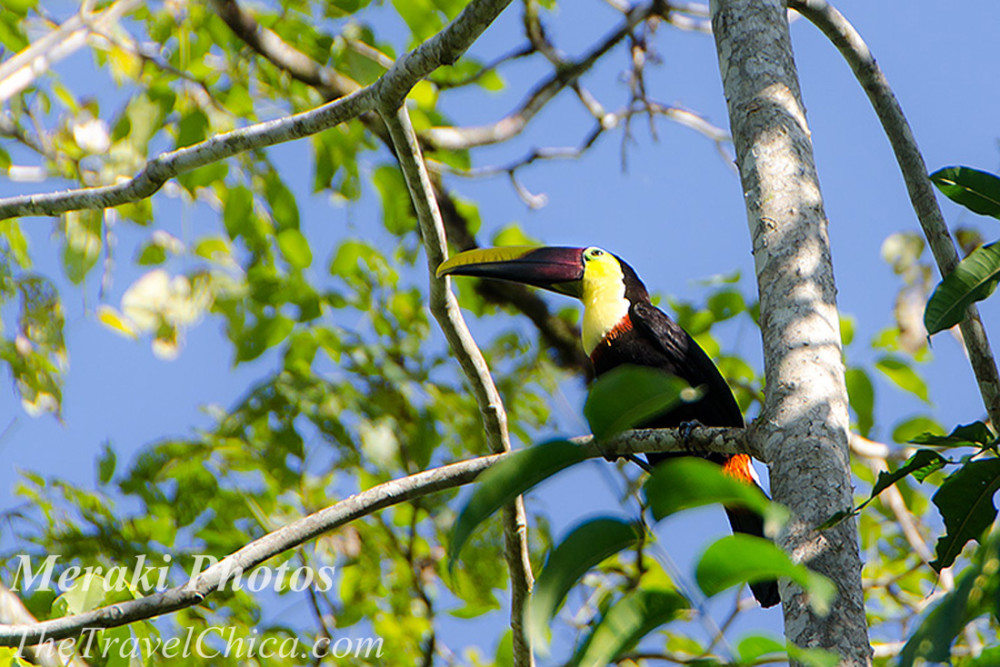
x: 357, y: 396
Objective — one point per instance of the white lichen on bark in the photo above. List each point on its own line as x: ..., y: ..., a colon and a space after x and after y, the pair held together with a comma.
x: 804, y: 428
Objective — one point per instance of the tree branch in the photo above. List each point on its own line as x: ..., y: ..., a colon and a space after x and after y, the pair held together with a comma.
x: 444, y: 306
x: 804, y: 427
x: 390, y: 89
x: 19, y: 71
x: 911, y: 164
x: 387, y: 494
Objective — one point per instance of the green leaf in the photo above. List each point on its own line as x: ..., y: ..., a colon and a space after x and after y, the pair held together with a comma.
x: 685, y: 482
x: 758, y: 560
x: 192, y: 128
x: 988, y: 658
x: 861, y: 394
x: 106, y: 464
x: 83, y: 231
x: 726, y: 303
x: 587, y: 545
x: 238, y: 211
x: 965, y: 501
x: 921, y: 464
x: 915, y: 427
x: 397, y: 211
x: 626, y: 622
x: 813, y: 657
x: 752, y: 648
x: 284, y: 208
x: 976, y: 190
x: 974, y: 434
x: 151, y: 254
x: 629, y: 395
x: 505, y: 481
x: 87, y: 592
x: 903, y: 376
x: 933, y: 637
x: 973, y: 280
x: 295, y: 248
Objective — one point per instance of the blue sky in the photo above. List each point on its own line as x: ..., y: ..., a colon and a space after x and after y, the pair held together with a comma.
x: 676, y: 215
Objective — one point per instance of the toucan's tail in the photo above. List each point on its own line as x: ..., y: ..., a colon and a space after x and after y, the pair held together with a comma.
x: 742, y: 520
x: 749, y: 522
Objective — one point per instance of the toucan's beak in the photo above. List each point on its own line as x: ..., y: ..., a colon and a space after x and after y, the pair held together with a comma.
x: 556, y: 269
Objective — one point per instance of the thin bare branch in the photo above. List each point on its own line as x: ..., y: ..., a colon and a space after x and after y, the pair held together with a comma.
x: 444, y: 306
x: 458, y: 138
x: 606, y: 121
x: 561, y: 336
x: 911, y: 163
x: 330, y: 83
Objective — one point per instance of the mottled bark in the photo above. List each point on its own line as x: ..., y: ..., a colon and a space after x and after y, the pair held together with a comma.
x: 804, y: 428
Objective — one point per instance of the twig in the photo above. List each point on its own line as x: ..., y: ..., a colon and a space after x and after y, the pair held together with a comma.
x: 605, y: 122
x: 911, y: 163
x: 444, y: 306
x: 458, y: 138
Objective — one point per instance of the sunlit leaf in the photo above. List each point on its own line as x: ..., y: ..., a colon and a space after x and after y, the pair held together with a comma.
x: 973, y: 280
x: 910, y: 429
x: 83, y: 231
x: 627, y: 396
x: 758, y: 560
x: 626, y: 622
x: 507, y: 480
x: 686, y: 482
x: 903, y: 375
x: 295, y: 248
x: 861, y: 394
x: 585, y: 546
x: 978, y: 191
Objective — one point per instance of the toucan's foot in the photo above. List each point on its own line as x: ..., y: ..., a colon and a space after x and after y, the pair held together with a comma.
x: 686, y: 430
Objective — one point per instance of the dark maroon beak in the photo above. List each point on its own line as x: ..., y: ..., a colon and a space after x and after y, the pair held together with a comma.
x: 556, y: 269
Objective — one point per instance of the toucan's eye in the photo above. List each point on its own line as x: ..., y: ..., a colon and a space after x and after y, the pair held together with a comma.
x: 592, y: 253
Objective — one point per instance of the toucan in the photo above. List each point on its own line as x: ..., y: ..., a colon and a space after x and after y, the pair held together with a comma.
x: 622, y: 326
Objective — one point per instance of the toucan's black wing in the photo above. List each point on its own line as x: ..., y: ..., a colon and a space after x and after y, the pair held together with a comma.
x: 659, y: 341
x: 678, y: 353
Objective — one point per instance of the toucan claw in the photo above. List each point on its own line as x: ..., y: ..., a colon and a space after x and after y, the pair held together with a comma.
x: 686, y: 430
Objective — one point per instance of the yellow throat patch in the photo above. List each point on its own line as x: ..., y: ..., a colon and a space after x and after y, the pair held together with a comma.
x: 604, y: 302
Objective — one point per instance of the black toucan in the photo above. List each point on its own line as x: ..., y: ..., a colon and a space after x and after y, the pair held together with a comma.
x: 622, y: 326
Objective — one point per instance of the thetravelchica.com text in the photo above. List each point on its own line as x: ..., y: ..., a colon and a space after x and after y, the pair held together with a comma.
x: 207, y: 643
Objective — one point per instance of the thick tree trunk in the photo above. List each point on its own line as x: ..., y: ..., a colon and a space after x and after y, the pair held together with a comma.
x: 804, y: 427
